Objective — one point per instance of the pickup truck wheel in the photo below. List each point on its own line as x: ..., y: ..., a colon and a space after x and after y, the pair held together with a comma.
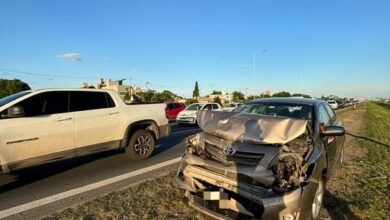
x: 141, y: 145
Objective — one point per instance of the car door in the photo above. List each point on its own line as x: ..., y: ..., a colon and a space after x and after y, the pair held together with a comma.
x: 338, y: 140
x: 96, y: 121
x: 329, y: 141
x: 44, y: 134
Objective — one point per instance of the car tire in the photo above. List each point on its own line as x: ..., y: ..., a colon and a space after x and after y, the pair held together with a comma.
x: 318, y: 199
x: 141, y: 145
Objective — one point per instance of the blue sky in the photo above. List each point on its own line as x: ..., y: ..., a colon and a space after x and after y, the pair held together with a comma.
x: 328, y: 47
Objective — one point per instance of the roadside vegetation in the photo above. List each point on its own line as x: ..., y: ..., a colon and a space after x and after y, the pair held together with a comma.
x: 359, y: 190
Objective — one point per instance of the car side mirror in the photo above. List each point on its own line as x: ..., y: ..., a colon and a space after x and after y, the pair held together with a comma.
x: 16, y: 111
x: 333, y: 131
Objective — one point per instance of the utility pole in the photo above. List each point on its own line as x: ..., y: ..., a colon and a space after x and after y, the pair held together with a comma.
x: 254, y: 74
x: 301, y: 86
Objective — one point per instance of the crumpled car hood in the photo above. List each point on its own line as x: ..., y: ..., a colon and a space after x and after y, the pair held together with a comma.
x: 251, y: 128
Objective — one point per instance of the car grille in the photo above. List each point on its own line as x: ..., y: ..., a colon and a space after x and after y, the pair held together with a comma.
x: 239, y: 158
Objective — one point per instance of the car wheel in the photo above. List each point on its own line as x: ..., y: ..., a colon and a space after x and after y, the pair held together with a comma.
x: 342, y: 157
x: 141, y: 145
x: 317, y: 201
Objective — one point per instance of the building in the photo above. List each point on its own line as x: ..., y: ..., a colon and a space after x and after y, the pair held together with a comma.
x: 116, y: 85
x: 225, y: 97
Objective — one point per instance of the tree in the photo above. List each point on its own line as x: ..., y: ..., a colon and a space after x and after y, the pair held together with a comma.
x: 147, y: 95
x: 127, y: 95
x: 251, y: 97
x: 216, y: 93
x: 164, y: 96
x: 190, y: 101
x: 195, y: 93
x: 238, y: 96
x: 282, y: 94
x: 9, y: 87
x: 301, y: 95
x: 217, y: 100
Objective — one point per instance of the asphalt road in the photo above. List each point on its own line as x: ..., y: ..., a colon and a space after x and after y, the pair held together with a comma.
x: 39, y: 182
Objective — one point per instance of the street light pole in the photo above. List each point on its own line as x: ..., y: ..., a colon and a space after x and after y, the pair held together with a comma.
x: 254, y: 74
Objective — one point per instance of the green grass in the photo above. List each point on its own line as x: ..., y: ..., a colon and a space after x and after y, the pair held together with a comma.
x: 160, y: 198
x: 361, y: 189
x: 371, y: 198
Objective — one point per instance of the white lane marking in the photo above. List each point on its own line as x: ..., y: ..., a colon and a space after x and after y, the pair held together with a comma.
x: 83, y: 189
x: 178, y: 132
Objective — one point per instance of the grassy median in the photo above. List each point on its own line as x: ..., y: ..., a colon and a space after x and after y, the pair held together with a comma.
x: 359, y: 190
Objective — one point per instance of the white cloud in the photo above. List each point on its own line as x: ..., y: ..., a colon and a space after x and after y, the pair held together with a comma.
x: 70, y: 56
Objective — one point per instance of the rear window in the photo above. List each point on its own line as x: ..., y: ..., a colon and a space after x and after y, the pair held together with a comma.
x: 83, y: 101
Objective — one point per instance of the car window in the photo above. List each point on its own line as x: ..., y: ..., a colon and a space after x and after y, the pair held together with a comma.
x: 45, y: 103
x: 82, y: 101
x: 170, y: 106
x: 330, y: 112
x: 215, y: 106
x: 323, y: 116
x: 208, y: 107
x: 177, y: 105
x: 194, y: 107
x: 110, y: 101
x: 278, y: 109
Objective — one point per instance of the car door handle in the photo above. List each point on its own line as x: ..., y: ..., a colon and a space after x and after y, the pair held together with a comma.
x: 112, y: 113
x: 63, y: 119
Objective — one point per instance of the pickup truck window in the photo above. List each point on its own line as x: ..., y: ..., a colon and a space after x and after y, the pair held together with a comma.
x: 13, y: 97
x: 45, y: 103
x: 83, y: 101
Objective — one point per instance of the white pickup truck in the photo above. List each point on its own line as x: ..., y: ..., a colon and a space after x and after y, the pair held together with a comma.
x: 48, y: 125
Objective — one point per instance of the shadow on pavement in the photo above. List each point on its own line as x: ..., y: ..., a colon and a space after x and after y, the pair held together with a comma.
x: 337, y: 208
x: 171, y: 141
x: 32, y: 174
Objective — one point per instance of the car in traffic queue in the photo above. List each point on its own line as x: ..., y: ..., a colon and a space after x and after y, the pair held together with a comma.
x: 231, y: 106
x: 333, y: 104
x: 173, y: 109
x: 189, y: 114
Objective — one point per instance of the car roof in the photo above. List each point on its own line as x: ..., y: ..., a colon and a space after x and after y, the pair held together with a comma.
x: 70, y: 89
x: 292, y: 100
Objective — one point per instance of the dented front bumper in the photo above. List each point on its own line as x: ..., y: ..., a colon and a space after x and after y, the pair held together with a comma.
x: 234, y: 199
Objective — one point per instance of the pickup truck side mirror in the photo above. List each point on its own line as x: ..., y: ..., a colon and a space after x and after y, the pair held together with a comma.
x: 333, y: 131
x: 16, y: 111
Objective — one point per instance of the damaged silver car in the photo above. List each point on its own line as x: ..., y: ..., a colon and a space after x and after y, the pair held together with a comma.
x: 268, y: 159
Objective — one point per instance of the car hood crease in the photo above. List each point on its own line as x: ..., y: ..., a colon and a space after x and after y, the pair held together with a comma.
x: 251, y: 128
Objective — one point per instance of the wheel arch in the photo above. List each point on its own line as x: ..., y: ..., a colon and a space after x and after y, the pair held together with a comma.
x: 3, y: 165
x: 148, y: 124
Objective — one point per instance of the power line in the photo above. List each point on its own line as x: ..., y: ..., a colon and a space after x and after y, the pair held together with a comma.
x: 45, y: 74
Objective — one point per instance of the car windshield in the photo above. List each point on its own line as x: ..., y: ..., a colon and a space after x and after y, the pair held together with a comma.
x: 278, y: 109
x: 231, y: 105
x: 13, y: 97
x: 194, y: 107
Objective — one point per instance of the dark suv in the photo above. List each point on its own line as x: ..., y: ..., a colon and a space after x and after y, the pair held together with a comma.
x: 268, y: 159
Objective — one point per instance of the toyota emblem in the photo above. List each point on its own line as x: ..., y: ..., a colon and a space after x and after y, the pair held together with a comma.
x: 228, y: 151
